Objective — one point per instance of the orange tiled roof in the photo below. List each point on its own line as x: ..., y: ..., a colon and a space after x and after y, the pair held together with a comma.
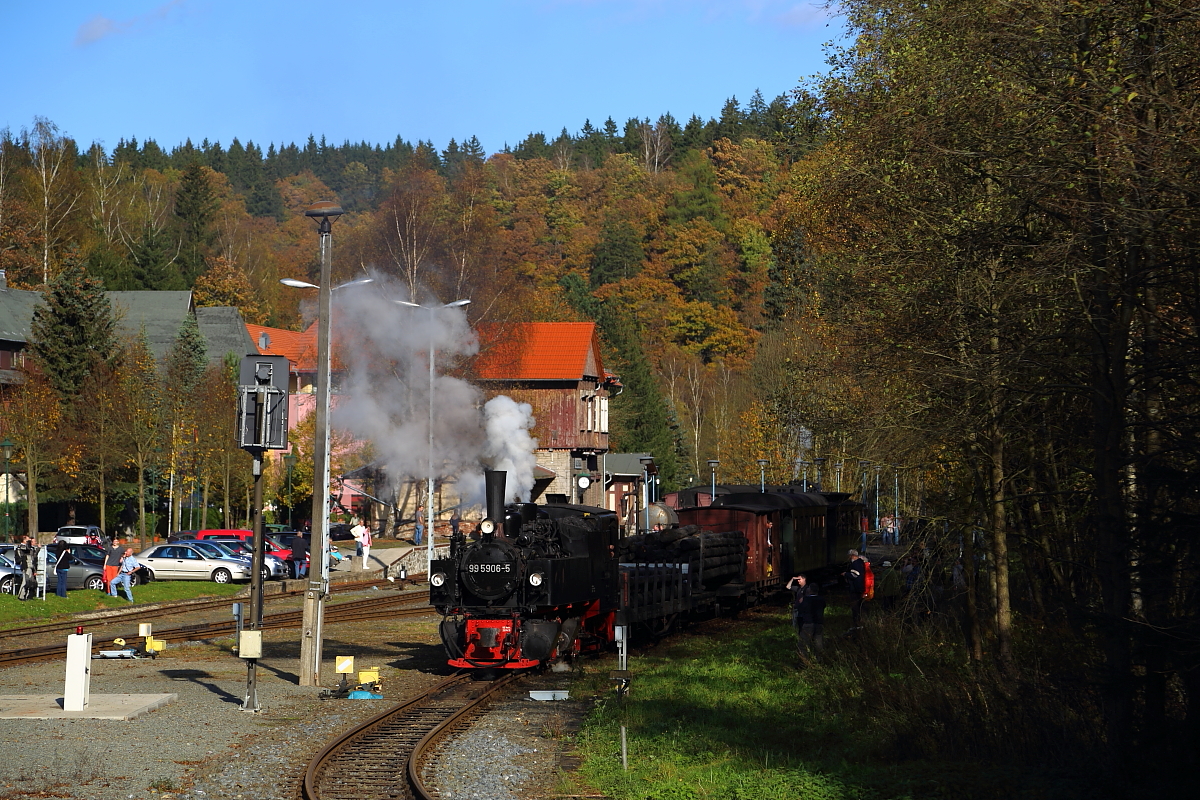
x: 298, y: 347
x: 545, y: 351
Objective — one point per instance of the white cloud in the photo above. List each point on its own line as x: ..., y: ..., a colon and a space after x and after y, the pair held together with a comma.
x: 101, y: 27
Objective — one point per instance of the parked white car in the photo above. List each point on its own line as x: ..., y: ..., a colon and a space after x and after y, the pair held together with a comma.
x: 185, y: 562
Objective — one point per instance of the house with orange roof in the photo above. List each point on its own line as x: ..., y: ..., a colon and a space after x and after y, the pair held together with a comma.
x: 557, y: 369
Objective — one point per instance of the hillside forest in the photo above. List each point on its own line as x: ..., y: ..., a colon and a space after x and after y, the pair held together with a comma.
x: 962, y: 266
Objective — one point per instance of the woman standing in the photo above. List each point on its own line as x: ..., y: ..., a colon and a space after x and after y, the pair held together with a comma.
x: 66, y: 560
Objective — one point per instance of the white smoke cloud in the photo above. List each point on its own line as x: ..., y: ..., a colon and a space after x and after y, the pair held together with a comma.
x: 384, y: 396
x: 510, y: 447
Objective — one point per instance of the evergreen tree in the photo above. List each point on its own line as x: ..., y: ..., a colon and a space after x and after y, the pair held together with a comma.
x: 700, y: 200
x: 153, y: 261
x: 730, y: 125
x: 114, y: 272
x: 72, y: 330
x: 187, y: 359
x: 195, y: 208
x: 534, y: 146
x: 618, y: 254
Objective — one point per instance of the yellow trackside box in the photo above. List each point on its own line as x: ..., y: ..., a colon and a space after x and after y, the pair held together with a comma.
x: 155, y: 645
x: 343, y: 665
x: 368, y: 675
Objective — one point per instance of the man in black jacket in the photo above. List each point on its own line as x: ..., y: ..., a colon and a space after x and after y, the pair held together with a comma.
x: 856, y: 581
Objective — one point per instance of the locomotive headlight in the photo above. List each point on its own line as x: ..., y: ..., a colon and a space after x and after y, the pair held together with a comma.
x: 487, y: 527
x: 437, y: 579
x: 535, y: 579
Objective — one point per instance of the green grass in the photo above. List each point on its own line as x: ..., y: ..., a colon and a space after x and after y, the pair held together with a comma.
x: 77, y: 601
x: 732, y: 716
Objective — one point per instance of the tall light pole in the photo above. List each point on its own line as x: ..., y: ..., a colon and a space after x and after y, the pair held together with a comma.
x: 7, y: 445
x: 712, y: 465
x: 805, y: 464
x: 324, y: 213
x: 290, y: 462
x: 762, y: 475
x: 429, y: 488
x: 837, y: 468
x: 878, y: 468
x: 647, y: 463
x: 896, y: 504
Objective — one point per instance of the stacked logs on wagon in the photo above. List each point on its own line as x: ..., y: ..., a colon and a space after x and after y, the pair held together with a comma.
x: 713, y: 556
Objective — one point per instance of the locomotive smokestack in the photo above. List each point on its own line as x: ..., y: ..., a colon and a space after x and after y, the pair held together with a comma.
x: 494, y: 483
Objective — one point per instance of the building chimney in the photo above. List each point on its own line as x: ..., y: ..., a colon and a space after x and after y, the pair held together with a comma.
x: 264, y: 341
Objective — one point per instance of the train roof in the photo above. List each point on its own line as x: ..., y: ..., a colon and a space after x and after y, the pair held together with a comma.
x: 560, y: 510
x: 770, y: 501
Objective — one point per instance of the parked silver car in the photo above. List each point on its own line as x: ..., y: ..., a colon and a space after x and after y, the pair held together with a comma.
x: 10, y: 576
x: 186, y: 562
x: 213, y: 548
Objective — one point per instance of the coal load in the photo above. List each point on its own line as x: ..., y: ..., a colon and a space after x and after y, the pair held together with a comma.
x: 715, y: 557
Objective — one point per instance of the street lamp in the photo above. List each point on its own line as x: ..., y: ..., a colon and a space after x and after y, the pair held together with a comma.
x: 7, y: 445
x: 323, y: 213
x: 762, y: 475
x: 429, y: 488
x: 878, y: 469
x: 290, y: 462
x: 837, y: 467
x: 806, y: 465
x: 712, y: 465
x: 647, y: 462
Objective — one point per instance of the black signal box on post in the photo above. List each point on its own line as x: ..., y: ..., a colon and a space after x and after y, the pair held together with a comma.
x: 262, y: 403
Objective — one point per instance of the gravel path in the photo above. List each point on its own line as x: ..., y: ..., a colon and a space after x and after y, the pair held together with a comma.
x: 201, y: 747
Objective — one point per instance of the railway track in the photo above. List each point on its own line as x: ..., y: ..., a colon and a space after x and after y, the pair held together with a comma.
x: 351, y: 611
x: 391, y: 755
x: 143, y: 613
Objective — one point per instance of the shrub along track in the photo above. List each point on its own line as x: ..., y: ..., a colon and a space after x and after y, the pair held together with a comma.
x: 389, y: 755
x: 350, y: 611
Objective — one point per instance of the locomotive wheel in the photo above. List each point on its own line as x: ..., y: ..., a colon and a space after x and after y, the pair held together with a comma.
x: 662, y: 625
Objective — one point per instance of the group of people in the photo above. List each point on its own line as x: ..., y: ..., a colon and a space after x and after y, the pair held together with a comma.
x: 119, y: 566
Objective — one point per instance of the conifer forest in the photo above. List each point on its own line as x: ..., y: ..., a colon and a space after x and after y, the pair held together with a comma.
x: 965, y: 262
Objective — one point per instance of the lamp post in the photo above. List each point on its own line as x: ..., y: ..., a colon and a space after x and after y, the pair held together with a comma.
x: 7, y: 446
x: 429, y: 488
x: 712, y: 465
x: 805, y: 464
x: 323, y: 213
x: 895, y: 504
x: 878, y: 468
x: 647, y: 463
x: 837, y: 469
x: 290, y: 462
x: 762, y: 475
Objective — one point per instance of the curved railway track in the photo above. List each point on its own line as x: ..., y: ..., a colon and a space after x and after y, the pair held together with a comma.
x: 351, y: 611
x: 390, y: 755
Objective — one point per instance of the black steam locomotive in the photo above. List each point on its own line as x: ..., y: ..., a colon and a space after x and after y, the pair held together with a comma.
x: 538, y: 583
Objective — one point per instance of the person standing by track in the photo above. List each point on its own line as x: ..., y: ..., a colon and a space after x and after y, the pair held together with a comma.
x: 808, y: 619
x: 856, y: 582
x: 26, y: 555
x: 65, y: 560
x: 112, y: 561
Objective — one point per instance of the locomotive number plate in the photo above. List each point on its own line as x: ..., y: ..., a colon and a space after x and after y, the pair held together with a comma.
x: 489, y: 568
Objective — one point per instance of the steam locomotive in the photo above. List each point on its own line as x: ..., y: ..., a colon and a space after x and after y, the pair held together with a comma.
x: 536, y: 584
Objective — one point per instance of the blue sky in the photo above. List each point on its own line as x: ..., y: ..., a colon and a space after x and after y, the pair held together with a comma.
x: 370, y: 70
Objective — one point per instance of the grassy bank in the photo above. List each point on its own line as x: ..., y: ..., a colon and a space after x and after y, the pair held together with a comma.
x: 78, y: 601
x: 895, y: 713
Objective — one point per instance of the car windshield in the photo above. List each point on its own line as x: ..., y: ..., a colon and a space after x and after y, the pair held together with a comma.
x: 212, y: 549
x: 275, y: 542
x: 236, y: 545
